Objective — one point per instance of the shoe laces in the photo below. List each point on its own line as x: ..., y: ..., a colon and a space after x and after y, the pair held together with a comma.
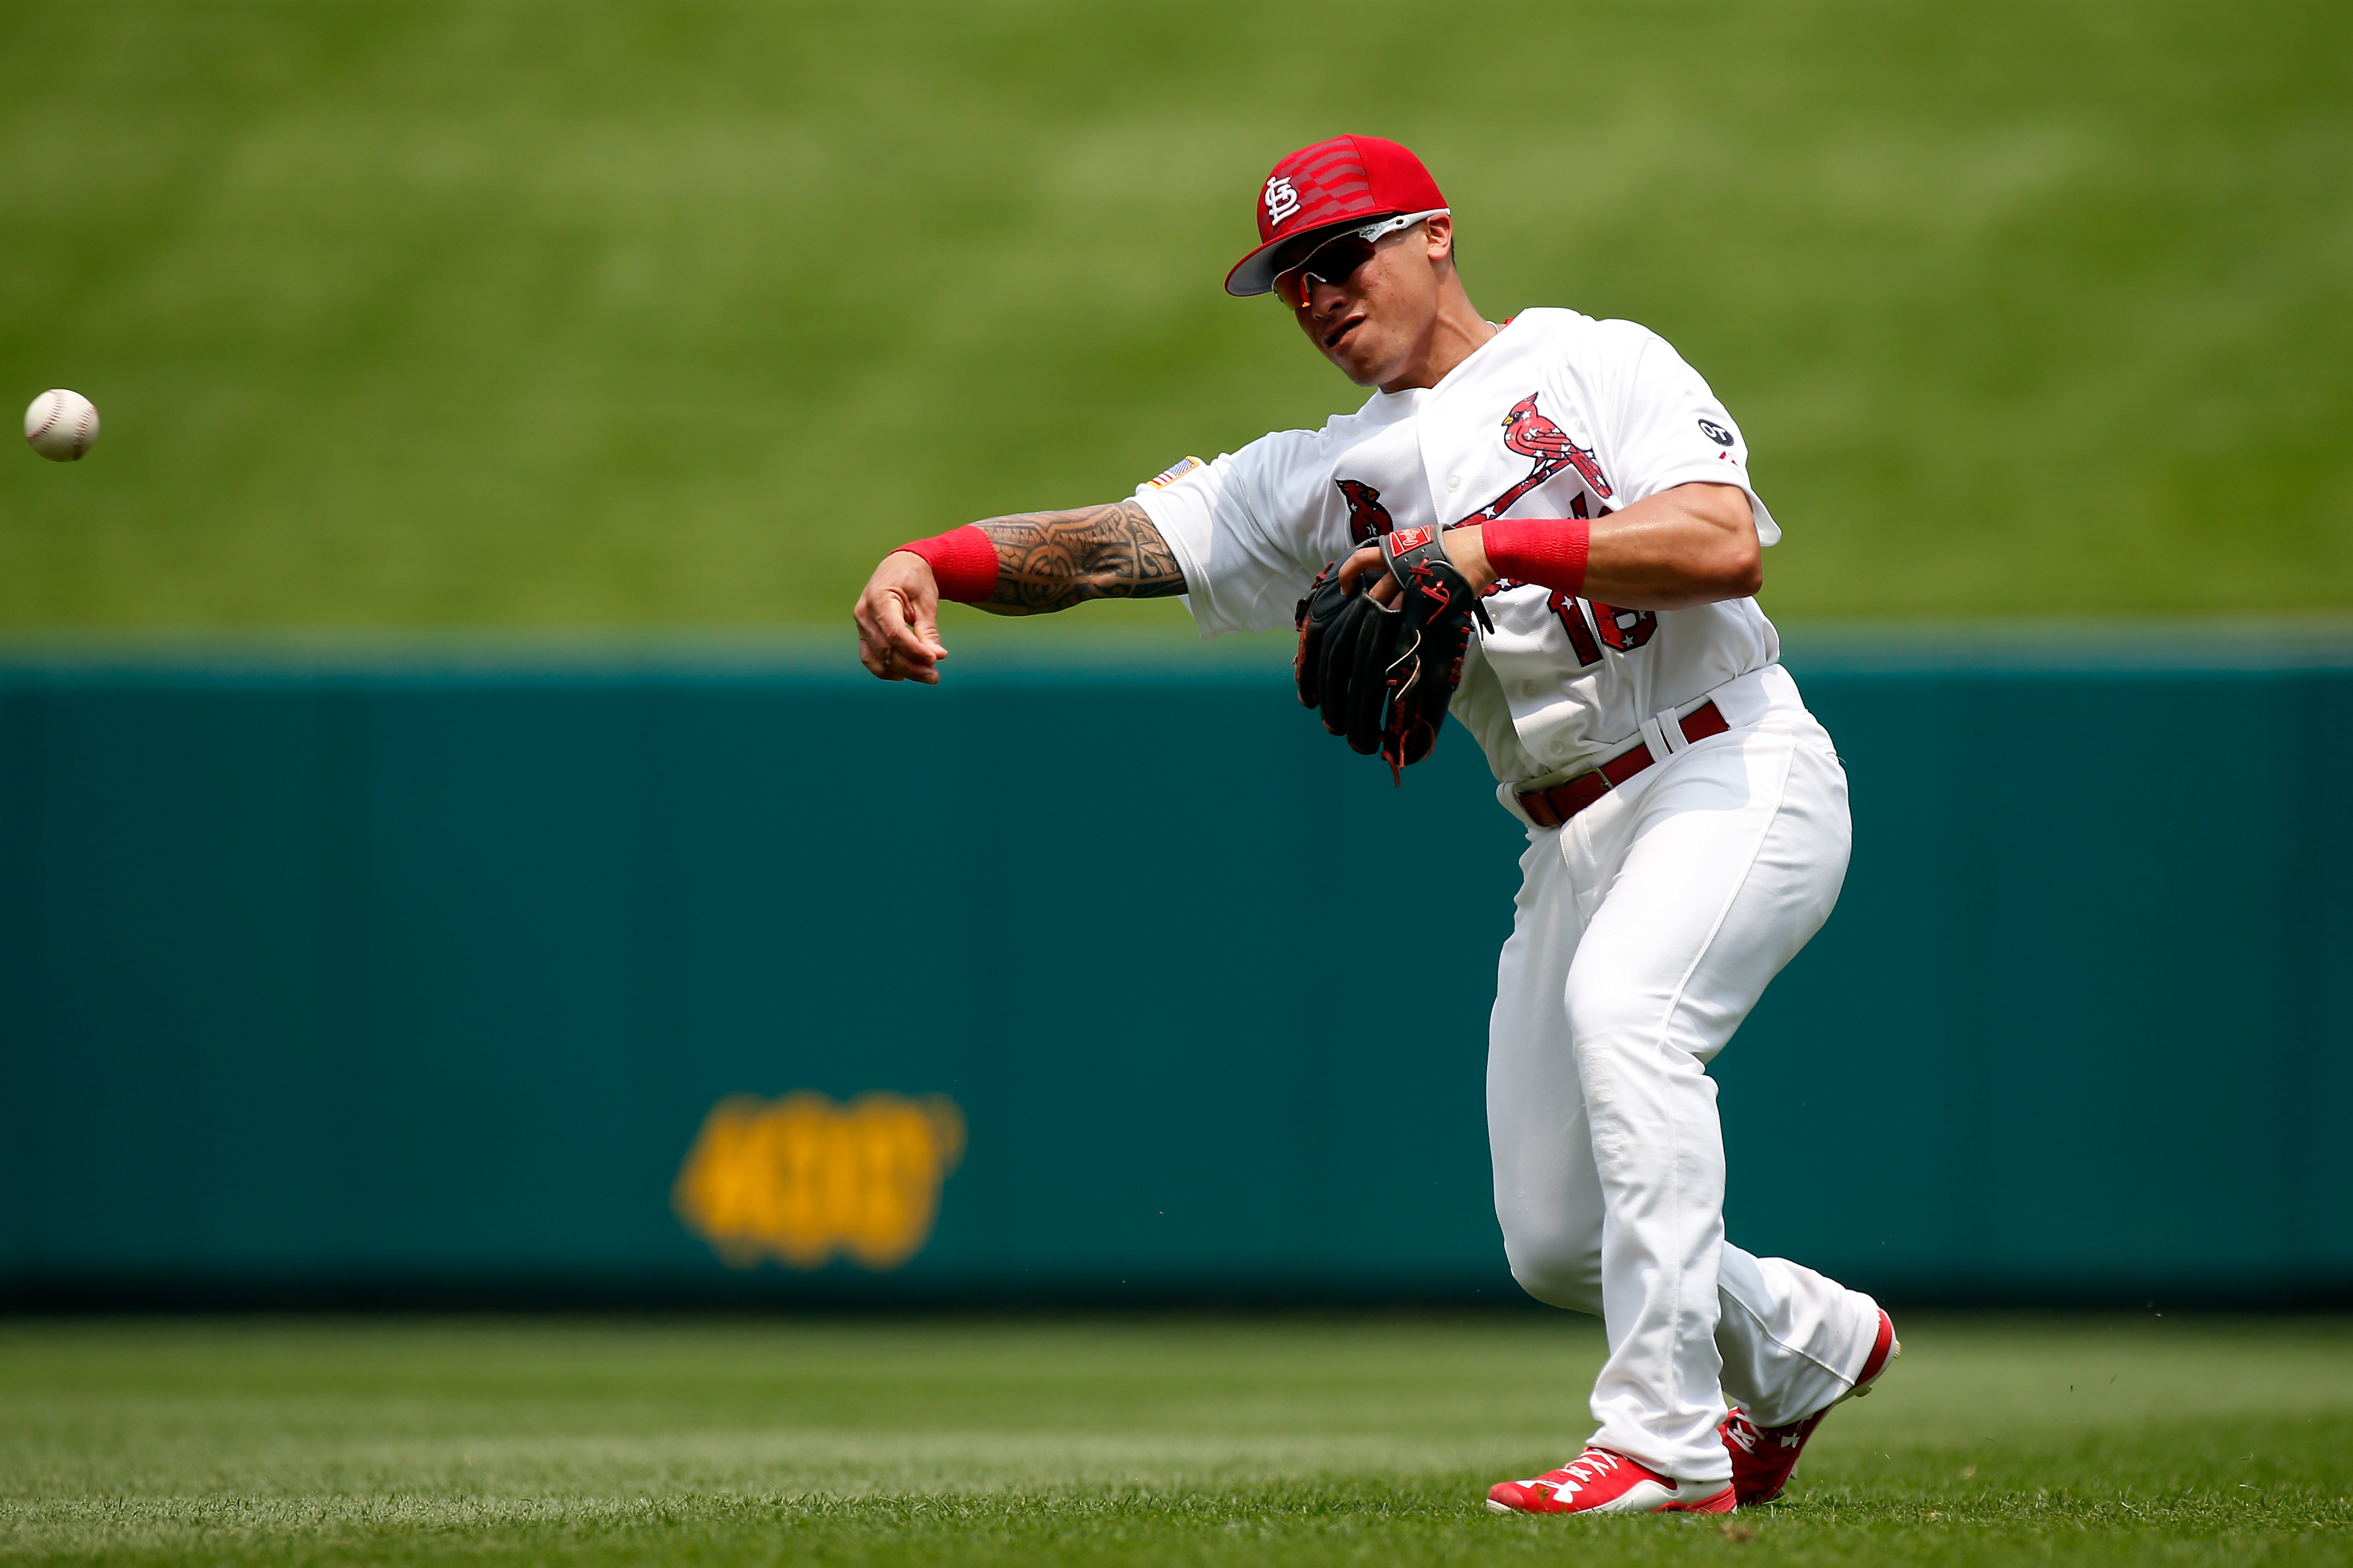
x: 1741, y: 1430
x: 1587, y: 1468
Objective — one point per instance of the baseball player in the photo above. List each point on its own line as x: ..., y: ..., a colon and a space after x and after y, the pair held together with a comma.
x: 1546, y: 531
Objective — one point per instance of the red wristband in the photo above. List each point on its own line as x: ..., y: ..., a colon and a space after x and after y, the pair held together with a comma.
x: 964, y: 560
x: 1547, y: 551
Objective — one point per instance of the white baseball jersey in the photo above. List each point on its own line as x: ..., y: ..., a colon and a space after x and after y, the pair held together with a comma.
x: 1557, y: 416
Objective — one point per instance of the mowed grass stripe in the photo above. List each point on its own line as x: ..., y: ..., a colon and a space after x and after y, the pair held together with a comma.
x: 1114, y: 1441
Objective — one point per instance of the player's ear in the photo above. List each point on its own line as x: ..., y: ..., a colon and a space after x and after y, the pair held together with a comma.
x: 1439, y: 237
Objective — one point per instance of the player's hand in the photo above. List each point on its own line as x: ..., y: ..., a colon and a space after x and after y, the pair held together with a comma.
x: 1463, y: 548
x: 1467, y: 549
x: 898, y: 620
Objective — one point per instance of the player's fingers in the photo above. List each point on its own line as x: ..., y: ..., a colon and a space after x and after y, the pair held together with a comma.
x: 927, y: 619
x: 881, y: 618
x: 1367, y: 559
x: 907, y: 651
x: 1384, y: 592
x: 873, y: 644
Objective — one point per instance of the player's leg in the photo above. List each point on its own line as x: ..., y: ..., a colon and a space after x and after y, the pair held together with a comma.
x: 1710, y: 879
x: 1548, y: 1190
x: 1785, y: 1333
x: 1793, y: 1342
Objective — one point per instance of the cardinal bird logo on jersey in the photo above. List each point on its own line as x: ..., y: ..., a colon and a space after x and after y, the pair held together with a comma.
x: 1531, y: 435
x: 1367, y: 518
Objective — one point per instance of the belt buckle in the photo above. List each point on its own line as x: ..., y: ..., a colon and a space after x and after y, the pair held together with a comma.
x: 1595, y: 773
x: 1549, y: 794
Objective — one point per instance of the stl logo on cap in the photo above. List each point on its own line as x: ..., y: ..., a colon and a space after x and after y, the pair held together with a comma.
x: 1347, y: 179
x: 1281, y: 199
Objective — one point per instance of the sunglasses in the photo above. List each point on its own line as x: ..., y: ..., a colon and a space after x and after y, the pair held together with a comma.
x: 1336, y: 260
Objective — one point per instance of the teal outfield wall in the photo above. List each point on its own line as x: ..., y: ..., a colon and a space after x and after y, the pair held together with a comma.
x: 421, y: 979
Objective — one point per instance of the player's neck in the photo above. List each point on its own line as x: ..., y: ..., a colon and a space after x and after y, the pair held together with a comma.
x: 1458, y: 331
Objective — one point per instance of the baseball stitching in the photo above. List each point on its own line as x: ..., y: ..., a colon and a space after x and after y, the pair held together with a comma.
x: 82, y: 424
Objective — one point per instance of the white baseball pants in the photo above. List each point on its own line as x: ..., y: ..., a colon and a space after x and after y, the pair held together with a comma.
x: 1648, y: 926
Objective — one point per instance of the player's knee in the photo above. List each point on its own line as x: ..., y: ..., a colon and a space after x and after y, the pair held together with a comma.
x: 1615, y: 1038
x: 1557, y: 1272
x: 1612, y: 1014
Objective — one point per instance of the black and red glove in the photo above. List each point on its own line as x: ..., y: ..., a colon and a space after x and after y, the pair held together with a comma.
x: 1383, y: 675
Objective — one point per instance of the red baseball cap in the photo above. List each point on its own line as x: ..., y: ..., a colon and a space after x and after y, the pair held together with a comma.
x: 1333, y: 185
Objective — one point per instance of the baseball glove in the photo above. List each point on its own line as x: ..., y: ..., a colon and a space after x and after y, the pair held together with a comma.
x: 1383, y: 675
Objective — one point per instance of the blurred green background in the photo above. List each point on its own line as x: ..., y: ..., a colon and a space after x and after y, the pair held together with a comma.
x: 621, y: 312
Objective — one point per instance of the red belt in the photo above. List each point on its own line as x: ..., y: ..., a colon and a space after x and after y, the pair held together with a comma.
x: 1551, y: 807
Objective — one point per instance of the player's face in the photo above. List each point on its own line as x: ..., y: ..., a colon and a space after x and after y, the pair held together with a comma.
x: 1375, y: 320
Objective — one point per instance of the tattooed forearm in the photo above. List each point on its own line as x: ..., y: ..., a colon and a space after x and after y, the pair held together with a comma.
x: 1048, y: 561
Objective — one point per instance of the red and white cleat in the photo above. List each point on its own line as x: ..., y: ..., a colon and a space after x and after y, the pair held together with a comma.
x: 1598, y: 1482
x: 1762, y: 1457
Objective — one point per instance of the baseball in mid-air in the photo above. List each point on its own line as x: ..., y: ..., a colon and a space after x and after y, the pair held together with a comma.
x: 61, y: 425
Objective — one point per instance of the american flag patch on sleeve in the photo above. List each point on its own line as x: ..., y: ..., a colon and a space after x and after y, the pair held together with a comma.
x: 1170, y: 476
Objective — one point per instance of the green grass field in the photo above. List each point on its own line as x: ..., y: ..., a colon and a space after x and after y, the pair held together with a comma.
x: 1184, y: 1440
x: 677, y: 313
